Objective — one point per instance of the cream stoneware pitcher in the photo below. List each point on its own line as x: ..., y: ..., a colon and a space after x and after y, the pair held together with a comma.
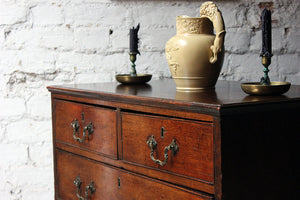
x: 195, y: 54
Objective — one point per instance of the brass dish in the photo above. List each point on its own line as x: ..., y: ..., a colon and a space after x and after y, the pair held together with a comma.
x: 138, y: 79
x: 275, y: 88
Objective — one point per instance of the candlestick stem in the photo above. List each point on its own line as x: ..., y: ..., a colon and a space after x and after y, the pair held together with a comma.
x: 133, y: 59
x: 266, y: 61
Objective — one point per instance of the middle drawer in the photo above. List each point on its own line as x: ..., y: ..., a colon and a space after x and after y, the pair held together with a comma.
x: 179, y: 146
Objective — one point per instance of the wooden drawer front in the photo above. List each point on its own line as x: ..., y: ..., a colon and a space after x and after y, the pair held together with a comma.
x: 70, y: 166
x: 103, y: 138
x: 112, y: 183
x: 194, y: 157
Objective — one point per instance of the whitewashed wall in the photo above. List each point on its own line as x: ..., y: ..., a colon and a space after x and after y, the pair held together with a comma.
x: 46, y: 42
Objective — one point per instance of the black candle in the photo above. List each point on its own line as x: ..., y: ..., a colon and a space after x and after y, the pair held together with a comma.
x: 134, y: 40
x: 266, y: 33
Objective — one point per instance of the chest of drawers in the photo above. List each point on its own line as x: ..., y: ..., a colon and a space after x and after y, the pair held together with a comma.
x: 149, y: 142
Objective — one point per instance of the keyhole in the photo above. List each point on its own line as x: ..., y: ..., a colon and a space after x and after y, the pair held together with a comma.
x: 82, y: 116
x: 162, y: 133
x: 119, y: 182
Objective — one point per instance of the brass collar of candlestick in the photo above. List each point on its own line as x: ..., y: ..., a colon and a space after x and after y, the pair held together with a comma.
x: 266, y: 60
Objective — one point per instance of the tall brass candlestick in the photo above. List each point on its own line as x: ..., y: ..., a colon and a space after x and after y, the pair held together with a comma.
x: 265, y: 86
x: 133, y: 77
x: 133, y: 47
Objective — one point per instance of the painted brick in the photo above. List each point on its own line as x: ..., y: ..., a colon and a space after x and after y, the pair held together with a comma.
x: 2, y: 38
x: 148, y: 15
x: 111, y: 63
x: 119, y: 39
x: 233, y: 14
x: 93, y: 77
x: 31, y: 131
x: 75, y: 62
x: 21, y: 176
x: 293, y: 42
x: 91, y: 39
x: 2, y: 130
x: 250, y: 69
x: 13, y: 155
x: 92, y: 14
x: 11, y: 13
x: 157, y: 67
x: 43, y: 109
x: 286, y: 13
x: 8, y: 65
x: 59, y: 38
x: 256, y: 42
x: 35, y: 61
x: 38, y: 192
x: 12, y: 107
x: 47, y: 15
x: 63, y: 77
x: 41, y: 154
x: 155, y: 40
x: 8, y: 190
x: 288, y: 64
x: 253, y: 16
x: 95, y: 14
x: 2, y: 83
x: 278, y: 41
x: 237, y: 40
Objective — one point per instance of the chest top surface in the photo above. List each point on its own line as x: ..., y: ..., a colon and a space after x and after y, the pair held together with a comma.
x: 227, y: 94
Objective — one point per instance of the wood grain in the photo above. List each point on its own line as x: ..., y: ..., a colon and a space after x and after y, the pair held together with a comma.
x: 112, y: 183
x: 231, y: 146
x: 195, y: 141
x: 104, y: 138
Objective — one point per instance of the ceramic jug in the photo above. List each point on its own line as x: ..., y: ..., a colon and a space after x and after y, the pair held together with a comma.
x: 195, y: 54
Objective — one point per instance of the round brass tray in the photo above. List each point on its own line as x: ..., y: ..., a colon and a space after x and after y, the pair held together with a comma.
x: 138, y: 79
x: 275, y: 88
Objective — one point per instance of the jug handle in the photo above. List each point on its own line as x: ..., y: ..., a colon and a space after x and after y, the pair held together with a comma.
x: 210, y: 10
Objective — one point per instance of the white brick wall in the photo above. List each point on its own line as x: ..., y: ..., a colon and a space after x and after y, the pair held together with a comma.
x: 45, y: 42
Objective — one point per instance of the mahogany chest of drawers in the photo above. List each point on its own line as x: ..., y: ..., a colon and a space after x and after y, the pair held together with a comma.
x: 149, y: 142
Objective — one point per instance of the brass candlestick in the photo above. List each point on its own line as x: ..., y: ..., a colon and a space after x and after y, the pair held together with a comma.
x: 133, y: 77
x: 265, y: 86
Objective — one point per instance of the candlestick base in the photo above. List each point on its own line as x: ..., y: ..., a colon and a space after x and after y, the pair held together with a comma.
x: 274, y: 88
x: 137, y: 79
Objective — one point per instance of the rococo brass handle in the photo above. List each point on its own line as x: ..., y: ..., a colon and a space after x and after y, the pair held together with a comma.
x: 173, y: 147
x: 90, y: 187
x: 88, y: 128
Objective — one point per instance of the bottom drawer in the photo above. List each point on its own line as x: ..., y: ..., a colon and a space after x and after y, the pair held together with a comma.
x: 110, y: 183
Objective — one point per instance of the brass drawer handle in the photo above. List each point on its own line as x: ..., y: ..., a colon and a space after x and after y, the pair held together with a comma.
x: 88, y: 128
x: 90, y: 187
x: 173, y: 147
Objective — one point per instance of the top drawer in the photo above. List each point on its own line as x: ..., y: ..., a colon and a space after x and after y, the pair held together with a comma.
x: 87, y: 127
x: 178, y: 146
